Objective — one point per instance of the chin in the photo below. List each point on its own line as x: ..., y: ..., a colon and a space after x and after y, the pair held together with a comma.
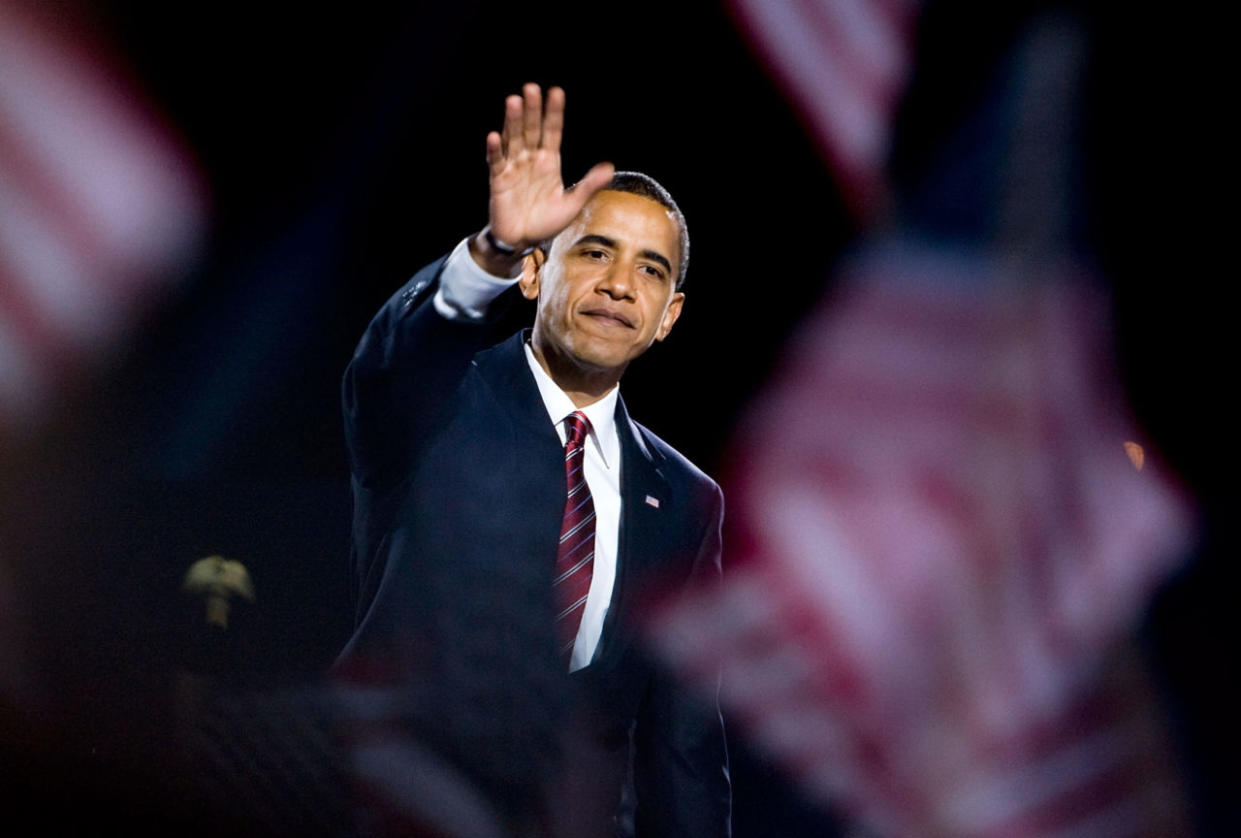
x: 598, y: 358
x: 600, y: 363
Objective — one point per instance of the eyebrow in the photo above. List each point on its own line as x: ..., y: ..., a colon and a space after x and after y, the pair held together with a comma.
x: 653, y: 255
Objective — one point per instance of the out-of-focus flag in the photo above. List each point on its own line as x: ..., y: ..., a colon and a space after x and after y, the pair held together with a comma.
x: 946, y: 546
x: 843, y: 64
x: 99, y: 207
x: 943, y: 536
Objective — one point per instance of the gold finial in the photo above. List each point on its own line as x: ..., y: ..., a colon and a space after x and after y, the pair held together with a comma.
x: 219, y: 580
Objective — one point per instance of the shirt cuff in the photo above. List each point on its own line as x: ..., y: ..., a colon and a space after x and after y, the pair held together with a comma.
x: 466, y: 291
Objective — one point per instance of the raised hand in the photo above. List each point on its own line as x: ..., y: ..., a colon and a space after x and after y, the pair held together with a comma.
x: 529, y: 202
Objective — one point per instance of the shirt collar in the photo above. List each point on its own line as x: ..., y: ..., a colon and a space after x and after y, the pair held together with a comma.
x: 602, y: 414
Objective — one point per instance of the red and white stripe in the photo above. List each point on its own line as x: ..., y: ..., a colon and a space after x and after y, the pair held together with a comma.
x: 946, y: 546
x: 98, y: 206
x: 843, y: 64
x: 576, y: 550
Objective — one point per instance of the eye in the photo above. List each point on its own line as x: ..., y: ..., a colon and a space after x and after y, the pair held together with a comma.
x: 653, y: 271
x: 594, y: 254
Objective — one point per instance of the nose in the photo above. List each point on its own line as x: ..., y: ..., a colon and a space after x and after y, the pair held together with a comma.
x: 617, y: 281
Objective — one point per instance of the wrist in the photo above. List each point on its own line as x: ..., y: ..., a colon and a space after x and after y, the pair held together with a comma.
x: 494, y: 256
x: 504, y: 247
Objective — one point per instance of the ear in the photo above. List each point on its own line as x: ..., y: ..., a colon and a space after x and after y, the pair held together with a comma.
x: 531, y: 267
x: 671, y: 313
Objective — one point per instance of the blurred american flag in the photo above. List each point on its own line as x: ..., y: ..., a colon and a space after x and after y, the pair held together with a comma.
x: 945, y: 523
x: 843, y: 64
x: 945, y: 548
x: 100, y: 207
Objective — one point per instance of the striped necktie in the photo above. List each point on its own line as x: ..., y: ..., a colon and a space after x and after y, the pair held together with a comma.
x: 575, y: 558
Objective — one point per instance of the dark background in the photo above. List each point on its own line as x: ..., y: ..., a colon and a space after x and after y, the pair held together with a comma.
x: 343, y: 148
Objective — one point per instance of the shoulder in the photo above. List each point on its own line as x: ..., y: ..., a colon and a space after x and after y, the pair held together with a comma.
x: 695, y: 503
x: 408, y: 298
x: 675, y: 466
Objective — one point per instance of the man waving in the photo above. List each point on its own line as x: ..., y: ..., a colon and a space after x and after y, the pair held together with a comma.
x: 509, y: 514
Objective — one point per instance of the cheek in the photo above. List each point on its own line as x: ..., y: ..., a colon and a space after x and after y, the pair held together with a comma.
x: 560, y: 304
x: 554, y: 308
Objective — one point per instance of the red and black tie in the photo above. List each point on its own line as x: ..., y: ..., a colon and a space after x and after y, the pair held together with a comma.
x: 575, y: 558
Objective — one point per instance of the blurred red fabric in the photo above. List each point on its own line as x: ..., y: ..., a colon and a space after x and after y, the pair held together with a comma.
x: 100, y: 205
x: 944, y: 549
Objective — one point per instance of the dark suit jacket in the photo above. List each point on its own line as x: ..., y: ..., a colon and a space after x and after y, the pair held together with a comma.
x: 459, y: 490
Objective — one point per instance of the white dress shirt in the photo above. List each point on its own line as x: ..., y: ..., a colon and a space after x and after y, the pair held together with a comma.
x: 465, y: 292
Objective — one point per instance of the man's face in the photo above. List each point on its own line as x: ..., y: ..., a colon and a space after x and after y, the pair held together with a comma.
x: 607, y: 289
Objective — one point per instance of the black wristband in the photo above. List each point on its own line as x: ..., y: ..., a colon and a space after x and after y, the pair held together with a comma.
x: 503, y: 247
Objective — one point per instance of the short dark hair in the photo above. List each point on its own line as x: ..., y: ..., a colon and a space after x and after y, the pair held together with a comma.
x: 636, y: 183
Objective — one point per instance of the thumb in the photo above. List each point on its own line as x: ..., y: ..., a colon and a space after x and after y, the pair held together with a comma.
x: 597, y: 178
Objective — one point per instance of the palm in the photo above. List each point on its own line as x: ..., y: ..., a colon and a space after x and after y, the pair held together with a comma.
x: 529, y: 202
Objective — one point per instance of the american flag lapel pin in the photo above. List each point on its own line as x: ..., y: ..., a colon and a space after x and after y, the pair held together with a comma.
x: 652, y: 501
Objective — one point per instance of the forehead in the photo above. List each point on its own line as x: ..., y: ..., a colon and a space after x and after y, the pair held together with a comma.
x: 629, y: 220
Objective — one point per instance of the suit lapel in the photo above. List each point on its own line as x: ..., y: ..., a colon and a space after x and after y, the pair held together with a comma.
x: 646, y: 514
x: 648, y: 509
x: 507, y: 373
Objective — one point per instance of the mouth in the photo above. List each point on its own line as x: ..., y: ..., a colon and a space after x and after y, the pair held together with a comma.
x: 609, y: 317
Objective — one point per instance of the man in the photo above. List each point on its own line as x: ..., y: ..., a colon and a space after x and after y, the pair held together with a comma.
x: 495, y: 584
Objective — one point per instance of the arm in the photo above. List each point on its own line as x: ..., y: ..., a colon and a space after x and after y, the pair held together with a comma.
x: 681, y: 758
x: 407, y: 364
x: 414, y: 354
x: 418, y: 346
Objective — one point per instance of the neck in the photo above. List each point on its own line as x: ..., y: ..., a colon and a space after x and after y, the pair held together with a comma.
x: 583, y: 384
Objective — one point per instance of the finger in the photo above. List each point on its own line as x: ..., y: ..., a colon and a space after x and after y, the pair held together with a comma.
x: 495, y: 152
x: 596, y: 179
x: 553, y: 120
x: 532, y: 119
x: 512, y: 141
x: 599, y: 176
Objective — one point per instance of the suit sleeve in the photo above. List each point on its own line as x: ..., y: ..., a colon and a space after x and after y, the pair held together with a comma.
x: 403, y: 375
x: 405, y: 369
x: 681, y: 775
